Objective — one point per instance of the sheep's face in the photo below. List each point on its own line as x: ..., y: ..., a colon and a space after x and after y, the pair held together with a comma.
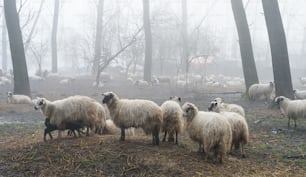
x: 9, y: 94
x: 279, y: 99
x: 39, y: 103
x: 108, y: 97
x: 218, y: 100
x: 213, y: 106
x: 189, y: 111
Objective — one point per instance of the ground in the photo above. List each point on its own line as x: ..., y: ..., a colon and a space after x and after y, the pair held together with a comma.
x: 273, y: 150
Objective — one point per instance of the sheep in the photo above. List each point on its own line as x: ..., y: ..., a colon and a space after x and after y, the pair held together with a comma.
x: 73, y: 109
x: 141, y: 84
x: 209, y: 129
x: 134, y: 113
x: 67, y: 81
x: 227, y: 107
x: 18, y: 99
x: 261, y: 91
x: 72, y: 126
x: 299, y: 94
x: 239, y: 126
x: 172, y: 118
x: 293, y: 109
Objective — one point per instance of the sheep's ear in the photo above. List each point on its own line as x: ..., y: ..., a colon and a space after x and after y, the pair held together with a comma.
x: 179, y: 98
x: 170, y: 97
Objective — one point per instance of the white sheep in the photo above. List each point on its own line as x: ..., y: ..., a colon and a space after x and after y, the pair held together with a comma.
x: 239, y: 126
x: 67, y: 80
x: 141, y: 83
x: 227, y: 107
x: 134, y: 113
x: 209, y: 129
x: 261, y: 91
x: 18, y: 99
x: 293, y: 109
x: 172, y: 118
x: 74, y: 109
x: 299, y: 94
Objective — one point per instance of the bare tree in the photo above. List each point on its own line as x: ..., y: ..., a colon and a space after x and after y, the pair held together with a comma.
x: 4, y: 45
x: 39, y: 53
x: 27, y: 42
x: 54, y: 36
x: 246, y: 51
x: 148, y: 41
x: 279, y: 51
x: 98, y: 39
x: 21, y: 78
x: 185, y: 52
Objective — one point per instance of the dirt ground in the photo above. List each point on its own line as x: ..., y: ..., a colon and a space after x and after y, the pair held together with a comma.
x: 273, y: 150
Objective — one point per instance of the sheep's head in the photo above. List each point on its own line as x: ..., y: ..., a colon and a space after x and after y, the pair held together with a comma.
x: 189, y: 111
x: 176, y: 98
x: 218, y: 100
x: 213, y: 106
x: 279, y: 99
x: 39, y: 103
x: 108, y: 97
x: 10, y: 94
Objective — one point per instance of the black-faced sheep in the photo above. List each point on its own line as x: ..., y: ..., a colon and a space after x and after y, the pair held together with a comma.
x: 209, y: 129
x: 73, y: 109
x: 226, y: 107
x: 172, y: 118
x: 18, y: 99
x: 134, y: 113
x: 293, y: 109
x: 261, y: 91
x: 239, y: 126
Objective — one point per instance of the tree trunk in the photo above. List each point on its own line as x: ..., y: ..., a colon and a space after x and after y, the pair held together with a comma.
x: 54, y: 36
x: 278, y: 45
x: 27, y: 42
x: 148, y: 41
x: 185, y: 53
x: 246, y: 51
x: 21, y: 79
x: 98, y: 42
x: 4, y: 46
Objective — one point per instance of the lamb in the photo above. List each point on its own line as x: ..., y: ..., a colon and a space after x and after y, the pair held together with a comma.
x: 134, y: 113
x: 293, y: 109
x: 227, y: 107
x: 299, y: 94
x: 172, y: 118
x: 209, y: 129
x: 239, y: 126
x: 73, y: 109
x: 261, y: 91
x: 71, y: 126
x: 18, y: 99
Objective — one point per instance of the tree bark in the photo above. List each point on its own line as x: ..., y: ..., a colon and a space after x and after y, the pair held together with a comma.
x: 246, y: 51
x: 278, y: 45
x: 21, y: 79
x: 54, y: 36
x: 4, y: 46
x: 148, y: 41
x: 185, y: 53
x: 98, y: 42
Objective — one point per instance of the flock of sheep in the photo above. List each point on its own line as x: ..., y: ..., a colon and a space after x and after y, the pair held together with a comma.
x: 218, y: 131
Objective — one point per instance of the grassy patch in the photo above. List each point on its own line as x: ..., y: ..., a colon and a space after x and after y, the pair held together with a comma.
x: 19, y: 128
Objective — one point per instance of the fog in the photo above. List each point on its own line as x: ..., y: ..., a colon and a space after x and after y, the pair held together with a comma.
x: 210, y: 26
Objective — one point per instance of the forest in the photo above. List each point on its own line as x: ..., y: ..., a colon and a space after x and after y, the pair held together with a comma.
x: 152, y: 88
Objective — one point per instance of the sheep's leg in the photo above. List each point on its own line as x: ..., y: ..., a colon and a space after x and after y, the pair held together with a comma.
x: 164, y: 139
x: 155, y: 136
x: 242, y: 150
x: 176, y: 142
x: 294, y: 123
x: 122, y: 138
x: 79, y: 133
x: 87, y: 131
x: 288, y: 122
x: 73, y: 131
